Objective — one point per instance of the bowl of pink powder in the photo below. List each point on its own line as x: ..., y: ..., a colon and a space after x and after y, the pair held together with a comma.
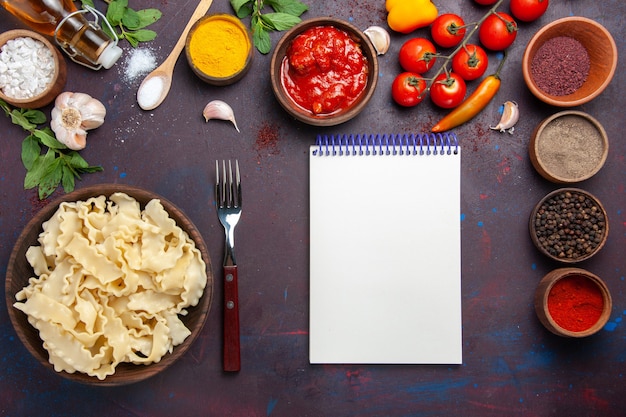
x: 569, y: 61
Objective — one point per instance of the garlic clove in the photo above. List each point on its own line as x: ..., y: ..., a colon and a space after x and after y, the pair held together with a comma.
x: 218, y: 109
x: 379, y: 37
x: 510, y: 116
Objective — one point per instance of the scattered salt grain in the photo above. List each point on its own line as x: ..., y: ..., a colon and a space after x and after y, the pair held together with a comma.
x: 139, y: 62
x: 26, y: 68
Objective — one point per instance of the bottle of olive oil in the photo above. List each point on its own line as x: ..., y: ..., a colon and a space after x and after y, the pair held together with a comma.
x: 85, y: 42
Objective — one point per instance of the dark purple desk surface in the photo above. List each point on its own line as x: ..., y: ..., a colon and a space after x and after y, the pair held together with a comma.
x: 512, y: 366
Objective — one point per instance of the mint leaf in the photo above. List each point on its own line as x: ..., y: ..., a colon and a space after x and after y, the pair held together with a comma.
x: 292, y: 7
x: 148, y: 17
x: 115, y: 12
x: 280, y: 21
x: 36, y: 117
x: 131, y: 19
x: 30, y: 151
x: 46, y: 137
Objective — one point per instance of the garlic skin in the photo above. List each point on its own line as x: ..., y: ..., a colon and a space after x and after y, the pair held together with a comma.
x: 218, y: 109
x: 73, y: 114
x: 510, y: 116
x: 380, y: 38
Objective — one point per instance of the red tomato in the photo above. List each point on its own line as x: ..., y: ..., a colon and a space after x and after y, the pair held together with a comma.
x: 408, y: 89
x: 448, y: 30
x: 528, y: 10
x: 470, y: 62
x: 417, y: 55
x: 498, y: 31
x: 486, y: 2
x: 448, y: 91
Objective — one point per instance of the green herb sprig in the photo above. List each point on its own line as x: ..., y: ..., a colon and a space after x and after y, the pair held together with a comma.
x: 285, y: 15
x: 128, y: 23
x: 58, y: 165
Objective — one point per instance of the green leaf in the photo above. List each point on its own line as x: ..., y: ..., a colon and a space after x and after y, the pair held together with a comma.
x: 47, y: 138
x: 242, y: 8
x: 148, y: 17
x: 280, y: 21
x: 115, y: 12
x: 30, y: 151
x: 17, y: 118
x: 261, y: 40
x: 67, y: 180
x: 76, y: 161
x: 51, y: 179
x: 36, y: 117
x: 292, y: 7
x: 33, y: 175
x: 131, y: 19
x: 141, y: 35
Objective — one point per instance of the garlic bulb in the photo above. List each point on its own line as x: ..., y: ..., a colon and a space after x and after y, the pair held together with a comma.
x: 218, y: 109
x: 380, y: 38
x: 73, y: 114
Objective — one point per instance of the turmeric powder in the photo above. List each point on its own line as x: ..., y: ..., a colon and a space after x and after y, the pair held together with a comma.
x: 219, y: 46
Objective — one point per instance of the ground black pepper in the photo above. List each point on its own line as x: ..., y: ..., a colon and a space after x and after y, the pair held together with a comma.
x: 570, y: 225
x: 560, y: 66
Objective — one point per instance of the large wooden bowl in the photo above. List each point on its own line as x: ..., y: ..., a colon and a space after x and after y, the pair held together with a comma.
x: 60, y: 72
x: 600, y: 46
x: 19, y: 271
x: 307, y: 116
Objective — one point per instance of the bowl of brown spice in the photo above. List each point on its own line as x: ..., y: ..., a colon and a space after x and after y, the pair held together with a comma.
x: 32, y: 69
x: 568, y: 147
x: 572, y: 302
x: 569, y: 225
x: 569, y: 61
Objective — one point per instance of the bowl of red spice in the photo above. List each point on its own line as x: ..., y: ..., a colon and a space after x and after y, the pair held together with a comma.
x: 569, y: 61
x: 569, y: 225
x: 572, y: 302
x: 324, y: 71
x: 219, y: 49
x: 32, y: 70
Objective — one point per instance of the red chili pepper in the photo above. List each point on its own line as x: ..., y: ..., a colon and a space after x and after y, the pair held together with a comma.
x: 472, y: 105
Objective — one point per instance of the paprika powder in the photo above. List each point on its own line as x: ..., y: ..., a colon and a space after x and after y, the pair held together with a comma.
x: 575, y: 303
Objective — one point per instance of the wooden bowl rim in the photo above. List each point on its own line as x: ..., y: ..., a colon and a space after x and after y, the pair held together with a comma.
x: 287, y: 103
x: 137, y: 372
x: 220, y: 81
x: 543, y: 291
x: 533, y: 45
x: 536, y: 138
x: 58, y: 80
x: 533, y: 235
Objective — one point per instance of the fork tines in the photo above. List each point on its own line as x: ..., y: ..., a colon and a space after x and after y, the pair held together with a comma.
x: 227, y: 189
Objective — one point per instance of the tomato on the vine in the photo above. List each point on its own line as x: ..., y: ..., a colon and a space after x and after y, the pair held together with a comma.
x: 498, y: 31
x: 470, y: 62
x: 408, y: 89
x: 486, y: 2
x: 448, y: 90
x: 528, y: 10
x: 448, y: 30
x: 417, y: 55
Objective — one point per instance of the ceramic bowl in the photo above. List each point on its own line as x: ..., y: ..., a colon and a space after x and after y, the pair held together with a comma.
x: 214, y: 49
x: 307, y: 116
x: 600, y: 47
x: 565, y: 232
x: 578, y: 315
x: 57, y: 83
x: 568, y: 147
x: 19, y: 271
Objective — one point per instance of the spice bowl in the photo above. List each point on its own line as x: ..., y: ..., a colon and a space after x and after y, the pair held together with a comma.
x: 579, y: 77
x: 294, y: 72
x: 568, y: 147
x: 572, y: 302
x: 219, y: 49
x: 569, y: 225
x: 45, y: 77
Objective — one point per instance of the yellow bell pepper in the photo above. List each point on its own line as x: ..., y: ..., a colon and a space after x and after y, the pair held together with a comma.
x: 405, y: 16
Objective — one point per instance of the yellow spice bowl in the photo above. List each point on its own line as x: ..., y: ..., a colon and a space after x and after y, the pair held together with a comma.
x: 219, y: 49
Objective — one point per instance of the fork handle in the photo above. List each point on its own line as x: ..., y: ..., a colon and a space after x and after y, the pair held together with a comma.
x: 232, y: 357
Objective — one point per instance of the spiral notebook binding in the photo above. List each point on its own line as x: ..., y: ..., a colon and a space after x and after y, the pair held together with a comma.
x: 387, y: 144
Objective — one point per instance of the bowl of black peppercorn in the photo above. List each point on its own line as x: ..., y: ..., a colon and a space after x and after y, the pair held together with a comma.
x: 569, y: 225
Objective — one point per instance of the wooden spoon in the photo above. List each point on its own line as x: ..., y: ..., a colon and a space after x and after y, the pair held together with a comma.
x: 156, y: 85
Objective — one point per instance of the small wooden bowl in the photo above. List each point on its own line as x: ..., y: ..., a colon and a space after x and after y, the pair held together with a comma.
x: 600, y: 46
x: 289, y: 104
x: 215, y: 48
x: 542, y: 295
x: 19, y: 271
x: 544, y: 228
x: 57, y: 84
x: 568, y: 147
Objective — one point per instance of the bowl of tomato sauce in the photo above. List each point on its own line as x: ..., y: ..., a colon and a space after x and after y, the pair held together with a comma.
x: 324, y: 71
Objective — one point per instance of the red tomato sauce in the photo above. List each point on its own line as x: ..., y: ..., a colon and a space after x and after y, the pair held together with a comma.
x: 324, y: 71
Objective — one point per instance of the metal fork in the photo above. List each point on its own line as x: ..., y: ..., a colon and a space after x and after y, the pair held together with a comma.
x: 228, y: 201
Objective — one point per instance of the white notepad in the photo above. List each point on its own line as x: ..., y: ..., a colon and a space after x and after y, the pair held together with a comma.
x: 385, y: 250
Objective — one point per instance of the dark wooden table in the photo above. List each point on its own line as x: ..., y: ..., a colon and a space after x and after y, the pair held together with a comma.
x: 511, y: 365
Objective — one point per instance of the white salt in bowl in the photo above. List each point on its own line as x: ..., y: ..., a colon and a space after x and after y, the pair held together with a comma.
x: 53, y: 87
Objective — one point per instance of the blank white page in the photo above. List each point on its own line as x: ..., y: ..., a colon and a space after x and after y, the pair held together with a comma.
x: 385, y: 259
